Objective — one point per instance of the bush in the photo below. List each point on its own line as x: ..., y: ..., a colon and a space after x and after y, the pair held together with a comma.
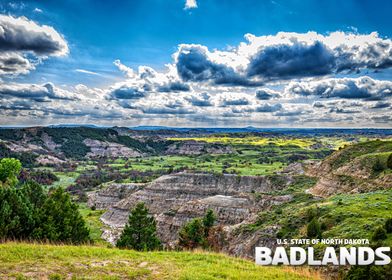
x: 389, y: 162
x: 140, y: 232
x: 9, y: 170
x: 378, y: 166
x: 388, y: 225
x: 192, y: 234
x: 379, y: 234
x: 195, y: 233
x: 368, y: 272
x: 314, y: 229
x: 208, y: 221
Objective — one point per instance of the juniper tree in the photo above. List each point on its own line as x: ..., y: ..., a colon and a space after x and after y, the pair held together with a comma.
x: 140, y: 232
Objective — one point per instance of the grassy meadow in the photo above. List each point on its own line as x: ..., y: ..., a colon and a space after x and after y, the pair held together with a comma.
x: 40, y: 261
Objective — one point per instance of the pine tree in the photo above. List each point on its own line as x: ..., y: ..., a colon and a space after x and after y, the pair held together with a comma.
x: 140, y: 232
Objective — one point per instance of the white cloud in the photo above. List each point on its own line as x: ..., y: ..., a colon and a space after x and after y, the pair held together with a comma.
x: 21, y: 39
x: 190, y: 4
x: 87, y: 72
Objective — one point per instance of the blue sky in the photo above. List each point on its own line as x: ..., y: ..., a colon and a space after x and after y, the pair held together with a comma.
x: 150, y: 32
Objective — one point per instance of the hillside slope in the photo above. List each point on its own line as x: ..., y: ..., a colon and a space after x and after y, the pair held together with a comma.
x: 33, y: 261
x: 356, y: 168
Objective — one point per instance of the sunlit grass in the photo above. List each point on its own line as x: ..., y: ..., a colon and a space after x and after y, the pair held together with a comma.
x: 87, y: 262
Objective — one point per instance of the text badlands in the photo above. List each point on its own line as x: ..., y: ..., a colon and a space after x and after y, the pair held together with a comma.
x: 344, y: 256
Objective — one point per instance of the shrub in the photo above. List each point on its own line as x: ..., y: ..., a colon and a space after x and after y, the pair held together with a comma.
x: 314, y: 229
x: 389, y: 162
x: 208, y: 221
x: 192, y: 234
x: 140, y: 232
x: 195, y: 233
x: 379, y: 234
x: 378, y: 166
x: 9, y: 170
x: 388, y: 225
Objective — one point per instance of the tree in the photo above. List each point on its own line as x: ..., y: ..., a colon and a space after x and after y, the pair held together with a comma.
x: 140, y: 232
x: 389, y: 162
x: 16, y: 214
x: 314, y: 229
x: 208, y: 221
x: 192, y: 234
x: 9, y: 170
x: 195, y: 233
x: 60, y: 220
x: 379, y: 234
x: 388, y: 225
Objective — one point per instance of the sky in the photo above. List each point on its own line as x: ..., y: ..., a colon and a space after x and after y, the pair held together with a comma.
x: 196, y: 63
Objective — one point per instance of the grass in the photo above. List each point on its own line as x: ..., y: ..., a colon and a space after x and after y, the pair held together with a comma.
x: 350, y: 216
x: 93, y: 222
x: 38, y: 261
x: 251, y: 140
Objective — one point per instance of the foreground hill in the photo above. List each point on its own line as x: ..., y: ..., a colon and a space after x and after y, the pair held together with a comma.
x: 26, y: 261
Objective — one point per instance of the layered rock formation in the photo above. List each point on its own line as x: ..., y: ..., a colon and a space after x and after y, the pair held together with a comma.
x: 175, y: 199
x: 109, y: 149
x: 108, y: 196
x: 197, y: 148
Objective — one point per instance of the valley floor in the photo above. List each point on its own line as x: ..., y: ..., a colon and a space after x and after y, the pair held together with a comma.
x: 38, y: 261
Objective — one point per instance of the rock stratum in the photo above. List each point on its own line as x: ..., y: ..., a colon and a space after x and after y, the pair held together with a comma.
x: 175, y: 199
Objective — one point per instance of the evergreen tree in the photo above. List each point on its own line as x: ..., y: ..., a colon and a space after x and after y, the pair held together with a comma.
x: 60, y: 220
x: 195, y: 233
x: 192, y: 234
x: 16, y: 214
x: 314, y: 229
x: 140, y: 232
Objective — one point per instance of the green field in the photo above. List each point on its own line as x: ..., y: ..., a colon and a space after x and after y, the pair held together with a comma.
x: 36, y: 261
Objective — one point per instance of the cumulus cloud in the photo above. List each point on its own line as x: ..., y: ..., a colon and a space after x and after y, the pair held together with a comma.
x: 266, y: 94
x: 39, y: 93
x: 283, y: 56
x: 146, y: 80
x: 196, y: 64
x: 22, y: 34
x: 20, y: 37
x: 12, y: 63
x: 200, y: 99
x: 348, y: 88
x: 268, y: 108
